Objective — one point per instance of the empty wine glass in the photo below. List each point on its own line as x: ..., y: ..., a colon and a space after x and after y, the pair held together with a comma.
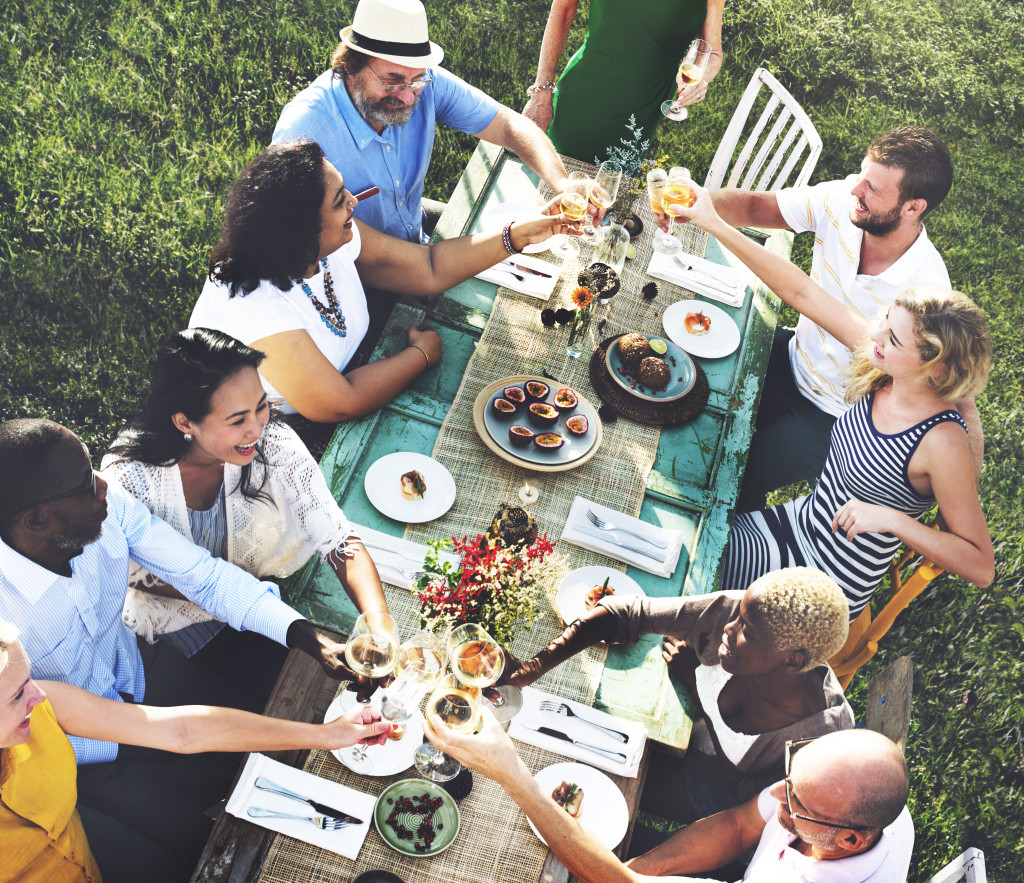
x: 574, y: 207
x: 691, y: 70
x: 458, y: 705
x: 421, y: 665
x: 372, y: 646
x: 657, y: 180
x: 603, y: 190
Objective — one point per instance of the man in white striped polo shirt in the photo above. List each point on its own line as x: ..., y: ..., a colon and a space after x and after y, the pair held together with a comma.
x: 869, y: 245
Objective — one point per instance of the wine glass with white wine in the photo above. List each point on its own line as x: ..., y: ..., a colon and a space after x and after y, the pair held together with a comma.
x: 574, y: 207
x: 657, y: 181
x: 691, y: 70
x: 678, y: 191
x: 458, y: 705
x: 603, y: 190
x: 478, y: 661
x: 422, y: 662
x: 372, y: 646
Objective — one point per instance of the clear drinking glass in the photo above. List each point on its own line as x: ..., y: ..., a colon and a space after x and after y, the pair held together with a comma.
x: 603, y: 191
x: 372, y: 646
x: 678, y: 191
x: 691, y: 70
x: 458, y: 705
x: 657, y: 180
x: 421, y: 665
x: 574, y: 207
x: 478, y: 661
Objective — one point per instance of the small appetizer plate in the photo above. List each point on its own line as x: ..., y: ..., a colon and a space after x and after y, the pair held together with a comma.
x: 682, y: 374
x: 444, y: 819
x: 571, y: 596
x: 383, y: 486
x: 605, y: 814
x: 721, y: 339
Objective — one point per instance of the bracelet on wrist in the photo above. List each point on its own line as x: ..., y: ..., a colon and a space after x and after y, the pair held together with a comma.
x: 417, y: 347
x: 506, y: 239
x: 548, y: 86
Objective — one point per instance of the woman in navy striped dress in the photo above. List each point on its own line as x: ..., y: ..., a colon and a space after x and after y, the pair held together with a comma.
x: 899, y: 450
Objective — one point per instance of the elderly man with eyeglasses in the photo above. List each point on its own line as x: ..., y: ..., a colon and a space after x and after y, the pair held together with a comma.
x: 838, y: 815
x: 374, y: 114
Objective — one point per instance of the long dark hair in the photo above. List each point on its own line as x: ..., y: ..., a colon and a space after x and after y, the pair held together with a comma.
x: 272, y: 220
x: 190, y: 367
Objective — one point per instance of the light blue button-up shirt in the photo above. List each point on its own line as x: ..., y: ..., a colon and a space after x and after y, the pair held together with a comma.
x: 71, y: 627
x: 398, y: 158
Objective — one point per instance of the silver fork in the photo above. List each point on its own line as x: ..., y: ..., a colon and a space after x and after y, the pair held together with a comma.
x: 325, y: 822
x: 601, y: 524
x: 564, y: 710
x: 690, y: 268
x: 411, y: 575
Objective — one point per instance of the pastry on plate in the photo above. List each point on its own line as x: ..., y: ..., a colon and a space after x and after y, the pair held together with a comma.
x: 413, y: 485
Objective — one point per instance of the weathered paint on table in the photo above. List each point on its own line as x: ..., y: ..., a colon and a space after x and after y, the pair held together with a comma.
x: 693, y: 485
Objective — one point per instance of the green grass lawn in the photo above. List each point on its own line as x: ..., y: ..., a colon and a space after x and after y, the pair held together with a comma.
x: 122, y: 125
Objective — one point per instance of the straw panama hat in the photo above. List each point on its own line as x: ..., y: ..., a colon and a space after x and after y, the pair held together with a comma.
x: 395, y: 30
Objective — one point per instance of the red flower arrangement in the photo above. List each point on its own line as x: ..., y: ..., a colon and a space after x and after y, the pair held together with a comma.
x: 496, y: 586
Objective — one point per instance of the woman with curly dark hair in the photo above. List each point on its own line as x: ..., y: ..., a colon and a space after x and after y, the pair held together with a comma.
x: 287, y: 277
x: 208, y: 456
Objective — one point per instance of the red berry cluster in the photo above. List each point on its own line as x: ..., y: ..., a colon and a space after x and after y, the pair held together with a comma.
x: 422, y: 807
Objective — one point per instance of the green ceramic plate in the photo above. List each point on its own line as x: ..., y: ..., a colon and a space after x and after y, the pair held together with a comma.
x: 414, y: 804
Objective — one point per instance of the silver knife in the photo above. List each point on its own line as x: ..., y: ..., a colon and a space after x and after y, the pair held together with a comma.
x: 603, y: 535
x: 370, y: 544
x: 558, y: 734
x: 527, y: 269
x: 266, y: 785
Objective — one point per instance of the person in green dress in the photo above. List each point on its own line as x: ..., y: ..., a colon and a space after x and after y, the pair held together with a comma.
x: 625, y: 67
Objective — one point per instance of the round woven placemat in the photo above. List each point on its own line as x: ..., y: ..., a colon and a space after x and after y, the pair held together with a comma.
x: 652, y: 413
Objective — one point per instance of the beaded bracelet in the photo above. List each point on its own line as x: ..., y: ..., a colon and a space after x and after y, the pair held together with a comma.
x: 425, y: 356
x: 506, y: 239
x: 541, y: 87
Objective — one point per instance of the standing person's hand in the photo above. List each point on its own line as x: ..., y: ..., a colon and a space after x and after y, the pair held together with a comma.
x: 687, y: 94
x: 540, y: 109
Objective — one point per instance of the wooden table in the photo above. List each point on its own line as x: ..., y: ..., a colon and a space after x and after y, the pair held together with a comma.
x: 236, y: 849
x: 693, y: 485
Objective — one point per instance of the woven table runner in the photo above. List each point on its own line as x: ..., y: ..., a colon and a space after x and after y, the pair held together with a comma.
x: 495, y: 842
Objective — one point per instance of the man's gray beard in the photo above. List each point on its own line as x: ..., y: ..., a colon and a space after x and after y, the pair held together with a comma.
x: 378, y: 113
x: 76, y: 541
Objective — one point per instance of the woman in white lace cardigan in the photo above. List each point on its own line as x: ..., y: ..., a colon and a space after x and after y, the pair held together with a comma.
x: 206, y: 455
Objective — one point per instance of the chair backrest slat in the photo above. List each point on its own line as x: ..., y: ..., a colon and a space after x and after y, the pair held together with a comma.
x: 790, y: 114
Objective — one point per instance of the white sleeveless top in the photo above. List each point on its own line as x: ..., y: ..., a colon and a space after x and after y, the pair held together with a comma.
x: 711, y: 680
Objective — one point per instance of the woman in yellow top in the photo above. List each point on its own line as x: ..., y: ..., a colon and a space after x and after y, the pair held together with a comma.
x: 41, y: 834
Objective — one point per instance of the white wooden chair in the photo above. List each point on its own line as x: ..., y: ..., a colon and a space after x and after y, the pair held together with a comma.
x: 777, y: 141
x: 969, y: 866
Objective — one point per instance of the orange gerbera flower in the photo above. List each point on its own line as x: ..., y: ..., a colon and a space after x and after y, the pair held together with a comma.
x: 582, y: 297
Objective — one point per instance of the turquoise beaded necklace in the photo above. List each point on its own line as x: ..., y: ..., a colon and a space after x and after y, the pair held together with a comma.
x: 331, y: 315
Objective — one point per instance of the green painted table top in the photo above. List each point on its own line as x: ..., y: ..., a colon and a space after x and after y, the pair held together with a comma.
x: 693, y: 485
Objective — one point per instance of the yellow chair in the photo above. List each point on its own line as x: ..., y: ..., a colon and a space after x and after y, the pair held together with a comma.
x: 865, y: 632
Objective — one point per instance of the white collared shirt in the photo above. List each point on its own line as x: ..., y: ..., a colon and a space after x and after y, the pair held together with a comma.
x: 816, y: 357
x: 71, y: 627
x: 775, y: 861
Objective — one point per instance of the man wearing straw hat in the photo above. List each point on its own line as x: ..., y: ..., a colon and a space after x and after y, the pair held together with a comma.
x: 375, y: 110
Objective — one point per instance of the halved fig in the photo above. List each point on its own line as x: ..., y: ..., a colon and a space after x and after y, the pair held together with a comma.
x: 549, y: 441
x: 520, y: 436
x: 537, y: 391
x: 503, y: 407
x: 578, y: 424
x: 566, y: 400
x: 514, y: 394
x: 543, y: 414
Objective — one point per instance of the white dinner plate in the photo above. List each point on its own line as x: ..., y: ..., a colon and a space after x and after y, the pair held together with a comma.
x: 391, y: 757
x: 495, y: 217
x: 720, y: 341
x: 383, y: 486
x: 605, y: 814
x: 570, y: 598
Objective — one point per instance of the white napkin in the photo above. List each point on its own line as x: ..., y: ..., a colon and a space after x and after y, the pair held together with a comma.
x: 345, y: 841
x: 539, y: 287
x: 571, y: 726
x: 580, y: 532
x: 707, y: 279
x: 393, y: 554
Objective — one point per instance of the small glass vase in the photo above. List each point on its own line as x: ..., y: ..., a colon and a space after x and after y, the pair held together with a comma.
x: 578, y: 333
x: 612, y: 248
